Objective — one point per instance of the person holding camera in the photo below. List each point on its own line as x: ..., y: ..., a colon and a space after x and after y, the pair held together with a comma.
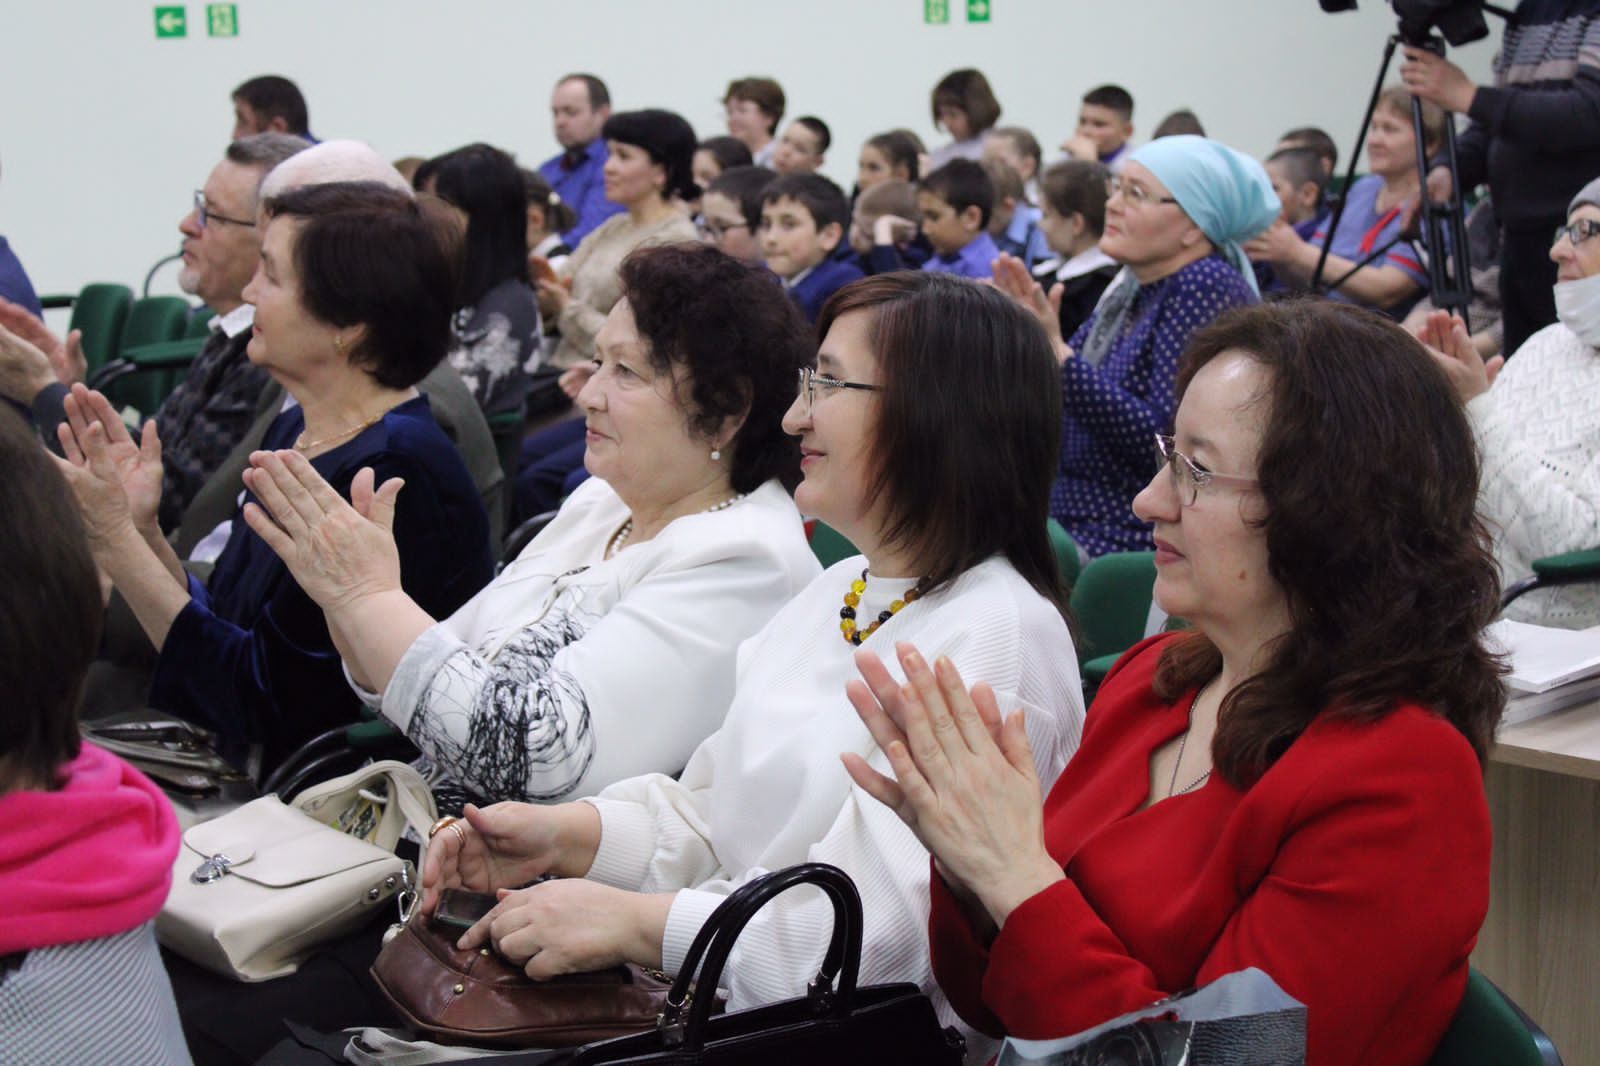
x: 1534, y: 137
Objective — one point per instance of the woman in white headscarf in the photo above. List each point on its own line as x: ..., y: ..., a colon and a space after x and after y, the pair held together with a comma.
x: 1175, y: 220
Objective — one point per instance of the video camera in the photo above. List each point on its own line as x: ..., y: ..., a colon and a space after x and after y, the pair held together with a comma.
x: 1457, y: 21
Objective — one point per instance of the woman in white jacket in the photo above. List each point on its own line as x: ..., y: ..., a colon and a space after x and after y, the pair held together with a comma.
x: 1538, y: 426
x: 928, y: 435
x: 606, y: 649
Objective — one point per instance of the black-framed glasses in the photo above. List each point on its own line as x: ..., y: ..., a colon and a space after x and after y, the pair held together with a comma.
x: 811, y: 381
x: 1576, y: 232
x: 1188, y: 476
x: 203, y: 212
x: 1137, y: 195
x: 718, y: 230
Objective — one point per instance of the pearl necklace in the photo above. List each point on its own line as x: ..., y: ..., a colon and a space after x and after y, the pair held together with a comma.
x: 619, y: 539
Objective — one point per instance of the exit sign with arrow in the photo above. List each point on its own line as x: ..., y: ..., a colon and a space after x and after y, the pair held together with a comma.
x: 171, y: 22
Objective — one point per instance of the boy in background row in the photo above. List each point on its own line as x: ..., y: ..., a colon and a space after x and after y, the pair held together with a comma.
x: 885, y: 231
x: 1105, y: 126
x: 1316, y: 140
x: 956, y: 201
x: 1298, y: 179
x: 1073, y: 197
x: 803, y: 217
x: 1014, y: 222
x: 1019, y: 149
x: 730, y: 211
x: 802, y: 147
x: 754, y: 107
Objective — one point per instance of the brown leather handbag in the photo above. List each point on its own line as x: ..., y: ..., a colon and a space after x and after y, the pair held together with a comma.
x: 478, y: 998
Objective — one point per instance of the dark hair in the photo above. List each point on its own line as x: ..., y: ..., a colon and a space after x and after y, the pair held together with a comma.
x: 668, y: 140
x: 1077, y: 186
x: 50, y: 610
x: 899, y: 149
x: 745, y: 186
x: 729, y: 152
x: 824, y: 201
x: 371, y: 256
x: 487, y: 185
x: 558, y: 214
x: 742, y: 340
x: 818, y: 127
x: 1178, y: 123
x: 1317, y: 140
x: 967, y: 439
x: 1301, y: 165
x: 1027, y: 144
x: 1370, y: 477
x: 1397, y: 98
x: 968, y: 90
x: 271, y: 96
x: 599, y: 95
x: 963, y: 183
x: 1113, y: 97
x: 764, y: 93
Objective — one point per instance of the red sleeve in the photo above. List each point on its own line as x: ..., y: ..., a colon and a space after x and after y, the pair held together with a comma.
x: 1367, y: 913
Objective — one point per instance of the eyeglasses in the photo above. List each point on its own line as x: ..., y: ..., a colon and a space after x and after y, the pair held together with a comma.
x: 1189, y: 477
x: 810, y: 381
x: 718, y: 230
x: 1136, y: 195
x: 206, y: 216
x: 1577, y: 232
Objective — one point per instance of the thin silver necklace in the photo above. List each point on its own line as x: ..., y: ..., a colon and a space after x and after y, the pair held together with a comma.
x: 1172, y: 786
x: 619, y: 539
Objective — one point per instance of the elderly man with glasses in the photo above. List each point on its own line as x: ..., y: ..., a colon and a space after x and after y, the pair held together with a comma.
x: 210, y: 411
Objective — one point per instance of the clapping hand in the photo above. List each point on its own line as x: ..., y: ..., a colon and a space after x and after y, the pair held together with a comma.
x: 1445, y: 337
x: 338, y: 552
x: 65, y: 358
x: 117, y: 483
x: 1012, y: 278
x: 964, y: 779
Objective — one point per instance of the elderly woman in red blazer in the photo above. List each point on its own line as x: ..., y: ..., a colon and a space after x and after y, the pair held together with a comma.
x: 1295, y: 783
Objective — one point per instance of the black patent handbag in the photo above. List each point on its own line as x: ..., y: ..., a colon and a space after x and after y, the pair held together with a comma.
x: 837, y: 1022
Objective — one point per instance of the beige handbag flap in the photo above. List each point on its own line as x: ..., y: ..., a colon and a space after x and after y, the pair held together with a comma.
x: 276, y: 846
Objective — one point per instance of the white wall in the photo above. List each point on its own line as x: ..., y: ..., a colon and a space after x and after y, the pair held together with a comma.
x: 105, y: 130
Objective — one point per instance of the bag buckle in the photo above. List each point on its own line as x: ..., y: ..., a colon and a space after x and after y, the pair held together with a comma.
x: 211, y: 870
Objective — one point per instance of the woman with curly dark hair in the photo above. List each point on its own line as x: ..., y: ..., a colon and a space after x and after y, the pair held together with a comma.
x: 606, y: 649
x: 1296, y: 783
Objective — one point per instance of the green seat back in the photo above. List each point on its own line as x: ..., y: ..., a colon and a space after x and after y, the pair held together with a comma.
x: 1489, y: 1030
x: 100, y: 311
x: 154, y: 319
x: 1111, y: 603
x: 199, y: 323
x: 829, y: 545
x: 1068, y: 562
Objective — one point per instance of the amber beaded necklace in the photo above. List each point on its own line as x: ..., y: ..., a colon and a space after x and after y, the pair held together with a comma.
x: 852, y: 599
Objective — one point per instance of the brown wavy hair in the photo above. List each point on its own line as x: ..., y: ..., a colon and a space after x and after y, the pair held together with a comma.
x: 1369, y: 472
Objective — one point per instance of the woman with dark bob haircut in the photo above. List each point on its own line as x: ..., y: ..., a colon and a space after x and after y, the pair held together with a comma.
x: 495, y: 334
x: 1294, y: 784
x: 927, y: 436
x: 606, y: 650
x: 353, y: 299
x: 88, y: 842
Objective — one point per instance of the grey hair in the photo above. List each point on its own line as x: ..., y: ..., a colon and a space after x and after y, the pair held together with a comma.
x: 266, y: 151
x: 333, y: 161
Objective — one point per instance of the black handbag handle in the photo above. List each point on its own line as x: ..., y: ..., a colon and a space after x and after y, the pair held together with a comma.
x: 831, y: 990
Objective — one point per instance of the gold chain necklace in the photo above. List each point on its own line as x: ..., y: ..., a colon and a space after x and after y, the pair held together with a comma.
x: 1172, y: 786
x: 303, y: 445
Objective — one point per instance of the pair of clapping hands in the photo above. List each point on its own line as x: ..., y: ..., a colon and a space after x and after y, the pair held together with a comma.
x: 964, y: 782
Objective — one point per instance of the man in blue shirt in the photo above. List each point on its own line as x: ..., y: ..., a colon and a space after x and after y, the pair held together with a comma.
x: 579, y: 107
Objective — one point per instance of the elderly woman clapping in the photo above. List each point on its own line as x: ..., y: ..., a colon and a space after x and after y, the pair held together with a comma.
x: 607, y: 648
x: 1174, y: 220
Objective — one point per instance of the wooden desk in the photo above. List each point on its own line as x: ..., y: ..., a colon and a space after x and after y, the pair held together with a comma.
x: 1541, y: 940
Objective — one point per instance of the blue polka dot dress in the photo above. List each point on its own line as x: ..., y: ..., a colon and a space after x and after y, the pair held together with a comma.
x: 1111, y: 412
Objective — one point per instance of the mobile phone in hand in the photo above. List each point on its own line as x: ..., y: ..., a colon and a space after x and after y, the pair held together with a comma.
x: 462, y: 909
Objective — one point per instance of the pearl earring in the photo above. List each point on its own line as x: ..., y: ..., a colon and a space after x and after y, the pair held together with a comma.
x: 716, y: 455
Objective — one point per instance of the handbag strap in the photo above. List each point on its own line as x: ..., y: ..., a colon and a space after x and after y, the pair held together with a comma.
x: 833, y: 987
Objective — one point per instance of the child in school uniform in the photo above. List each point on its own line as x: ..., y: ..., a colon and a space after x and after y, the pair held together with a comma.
x: 730, y: 210
x: 1014, y: 222
x: 956, y: 201
x: 803, y: 218
x: 1105, y: 126
x: 1073, y: 198
x: 885, y: 231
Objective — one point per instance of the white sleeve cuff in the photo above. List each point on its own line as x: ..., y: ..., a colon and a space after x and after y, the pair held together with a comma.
x: 690, y: 910
x: 627, y: 843
x: 415, y: 673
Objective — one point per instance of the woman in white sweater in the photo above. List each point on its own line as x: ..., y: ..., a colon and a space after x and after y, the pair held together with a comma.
x: 606, y: 649
x: 928, y: 434
x: 1538, y: 426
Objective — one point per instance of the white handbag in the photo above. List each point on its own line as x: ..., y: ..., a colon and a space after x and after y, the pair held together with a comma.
x: 256, y: 890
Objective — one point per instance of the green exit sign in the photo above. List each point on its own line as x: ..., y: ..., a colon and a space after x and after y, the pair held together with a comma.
x: 222, y: 20
x: 979, y: 10
x: 171, y: 22
x: 935, y: 12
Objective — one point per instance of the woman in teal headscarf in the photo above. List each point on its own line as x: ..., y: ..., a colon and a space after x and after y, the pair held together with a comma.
x: 1176, y: 219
